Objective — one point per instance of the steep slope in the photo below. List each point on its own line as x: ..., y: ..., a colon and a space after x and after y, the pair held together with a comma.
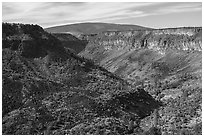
x: 71, y: 42
x: 167, y: 61
x: 91, y: 28
x: 49, y: 90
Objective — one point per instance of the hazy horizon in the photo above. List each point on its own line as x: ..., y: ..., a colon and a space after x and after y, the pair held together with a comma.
x: 153, y: 14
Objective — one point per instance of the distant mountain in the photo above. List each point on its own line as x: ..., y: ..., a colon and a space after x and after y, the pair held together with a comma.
x: 92, y: 28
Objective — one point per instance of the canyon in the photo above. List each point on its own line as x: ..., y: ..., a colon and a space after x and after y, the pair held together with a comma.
x: 168, y: 61
x: 101, y: 80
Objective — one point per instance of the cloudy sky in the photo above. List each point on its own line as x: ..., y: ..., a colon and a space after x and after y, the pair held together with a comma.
x: 155, y: 14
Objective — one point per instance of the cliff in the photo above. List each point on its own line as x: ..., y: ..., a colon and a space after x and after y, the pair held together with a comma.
x: 159, y: 40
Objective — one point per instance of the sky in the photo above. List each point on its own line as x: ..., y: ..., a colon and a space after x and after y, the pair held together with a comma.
x: 149, y: 14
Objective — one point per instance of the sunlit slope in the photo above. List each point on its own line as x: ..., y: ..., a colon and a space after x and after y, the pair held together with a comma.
x: 164, y: 60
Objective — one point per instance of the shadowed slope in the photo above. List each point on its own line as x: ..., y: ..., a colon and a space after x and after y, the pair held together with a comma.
x: 71, y: 42
x: 49, y: 90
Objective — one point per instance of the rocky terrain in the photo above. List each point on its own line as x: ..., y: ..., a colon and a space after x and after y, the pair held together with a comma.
x: 165, y: 62
x: 47, y: 89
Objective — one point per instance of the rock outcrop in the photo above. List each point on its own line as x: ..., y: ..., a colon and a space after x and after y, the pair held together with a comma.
x: 160, y: 40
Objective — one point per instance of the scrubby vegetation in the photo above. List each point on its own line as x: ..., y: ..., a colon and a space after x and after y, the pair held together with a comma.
x: 50, y: 90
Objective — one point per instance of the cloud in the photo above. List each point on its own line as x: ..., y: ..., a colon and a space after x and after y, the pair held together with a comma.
x: 55, y: 13
x: 180, y: 7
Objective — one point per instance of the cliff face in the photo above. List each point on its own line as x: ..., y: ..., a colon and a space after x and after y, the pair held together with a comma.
x: 168, y: 61
x: 159, y: 40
